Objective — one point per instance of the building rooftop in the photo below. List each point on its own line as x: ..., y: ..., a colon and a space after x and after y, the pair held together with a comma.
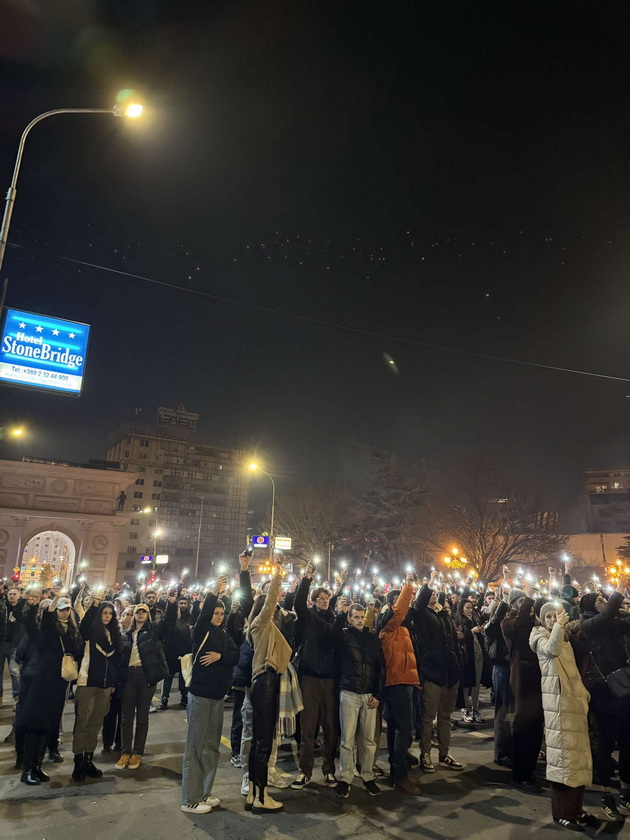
x: 171, y: 433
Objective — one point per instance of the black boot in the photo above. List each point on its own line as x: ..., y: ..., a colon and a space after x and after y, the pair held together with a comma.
x: 78, y: 774
x: 29, y: 777
x: 89, y: 768
x: 43, y: 777
x: 55, y: 756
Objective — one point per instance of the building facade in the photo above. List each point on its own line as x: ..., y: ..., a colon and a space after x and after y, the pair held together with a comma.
x: 57, y: 517
x: 190, y: 498
x: 608, y: 501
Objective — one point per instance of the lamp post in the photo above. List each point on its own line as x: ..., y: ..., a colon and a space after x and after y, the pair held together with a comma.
x: 254, y: 467
x: 130, y: 110
x: 199, y: 538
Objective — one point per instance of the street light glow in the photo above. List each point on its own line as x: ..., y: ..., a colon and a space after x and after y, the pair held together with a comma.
x: 18, y: 431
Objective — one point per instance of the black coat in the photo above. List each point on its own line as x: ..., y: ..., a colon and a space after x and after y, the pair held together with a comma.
x: 495, y: 642
x: 436, y: 642
x: 212, y: 681
x: 604, y: 634
x: 242, y: 676
x: 177, y: 635
x: 43, y: 705
x: 361, y: 659
x: 151, y: 654
x: 525, y: 679
x: 316, y: 654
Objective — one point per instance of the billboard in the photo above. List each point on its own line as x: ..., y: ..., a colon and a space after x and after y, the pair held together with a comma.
x: 40, y: 351
x: 260, y: 542
x: 177, y: 417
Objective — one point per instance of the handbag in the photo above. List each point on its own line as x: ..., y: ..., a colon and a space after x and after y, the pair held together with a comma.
x: 69, y: 667
x: 619, y: 683
x: 186, y: 662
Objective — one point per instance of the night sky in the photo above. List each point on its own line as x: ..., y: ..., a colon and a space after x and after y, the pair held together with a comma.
x: 453, y: 174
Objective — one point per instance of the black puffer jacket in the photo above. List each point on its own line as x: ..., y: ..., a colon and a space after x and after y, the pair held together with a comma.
x: 604, y: 634
x: 316, y: 654
x: 242, y: 676
x: 151, y: 654
x: 436, y: 642
x: 361, y: 659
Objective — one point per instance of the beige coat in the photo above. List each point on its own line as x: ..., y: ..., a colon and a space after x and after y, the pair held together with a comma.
x: 565, y: 704
x: 270, y: 646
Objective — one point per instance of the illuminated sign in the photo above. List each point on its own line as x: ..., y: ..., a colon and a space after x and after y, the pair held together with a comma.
x: 260, y: 542
x: 161, y: 559
x: 146, y: 558
x: 40, y: 351
x: 283, y: 543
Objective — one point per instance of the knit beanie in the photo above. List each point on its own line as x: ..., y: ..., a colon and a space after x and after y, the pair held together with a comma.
x: 515, y: 594
x: 569, y: 592
x: 545, y: 609
x: 587, y: 602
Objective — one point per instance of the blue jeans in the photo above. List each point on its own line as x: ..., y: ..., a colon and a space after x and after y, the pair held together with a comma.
x: 201, y: 756
x: 399, y: 727
x: 7, y: 654
x: 502, y: 731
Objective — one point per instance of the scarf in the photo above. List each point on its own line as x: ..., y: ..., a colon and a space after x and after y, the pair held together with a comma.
x: 290, y: 702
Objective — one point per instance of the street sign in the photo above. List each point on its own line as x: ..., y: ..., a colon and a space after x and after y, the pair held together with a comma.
x: 146, y: 558
x: 260, y: 542
x: 161, y: 559
x: 43, y: 352
x: 283, y: 543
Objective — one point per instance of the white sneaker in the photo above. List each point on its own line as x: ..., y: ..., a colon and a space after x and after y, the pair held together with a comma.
x: 199, y: 808
x: 245, y: 784
x: 212, y: 801
x: 276, y: 778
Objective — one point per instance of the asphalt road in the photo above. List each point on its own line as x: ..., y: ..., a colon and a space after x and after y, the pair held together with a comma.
x: 477, y: 802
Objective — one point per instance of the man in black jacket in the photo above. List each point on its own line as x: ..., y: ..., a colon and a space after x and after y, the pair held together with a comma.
x: 12, y: 632
x: 440, y: 673
x: 361, y: 683
x: 176, y: 628
x: 316, y: 668
x: 605, y: 632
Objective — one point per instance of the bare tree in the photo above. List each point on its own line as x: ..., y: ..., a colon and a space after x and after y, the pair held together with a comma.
x: 493, y: 519
x: 316, y: 517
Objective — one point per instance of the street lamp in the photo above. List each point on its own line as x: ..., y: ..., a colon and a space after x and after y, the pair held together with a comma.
x: 199, y: 537
x: 253, y: 467
x: 131, y: 110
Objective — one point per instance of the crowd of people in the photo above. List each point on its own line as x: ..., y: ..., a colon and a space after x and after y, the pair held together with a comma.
x: 331, y: 667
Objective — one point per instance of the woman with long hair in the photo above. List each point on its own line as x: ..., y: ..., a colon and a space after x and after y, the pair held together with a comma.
x: 43, y: 705
x: 142, y: 666
x: 98, y: 678
x: 272, y: 654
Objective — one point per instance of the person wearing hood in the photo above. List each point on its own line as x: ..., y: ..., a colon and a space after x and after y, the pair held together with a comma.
x: 43, y: 705
x: 526, y: 695
x: 569, y: 600
x: 565, y: 705
x: 605, y: 632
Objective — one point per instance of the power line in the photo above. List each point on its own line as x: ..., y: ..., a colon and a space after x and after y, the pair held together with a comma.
x: 330, y: 324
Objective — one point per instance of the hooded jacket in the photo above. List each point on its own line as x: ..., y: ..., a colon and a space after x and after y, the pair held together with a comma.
x: 100, y: 665
x: 524, y: 668
x: 436, y: 642
x: 604, y: 633
x: 212, y: 681
x: 565, y: 704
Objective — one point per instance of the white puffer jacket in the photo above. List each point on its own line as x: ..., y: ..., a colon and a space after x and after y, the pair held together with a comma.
x: 565, y: 704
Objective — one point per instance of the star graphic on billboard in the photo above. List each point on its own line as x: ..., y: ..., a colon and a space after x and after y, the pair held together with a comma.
x: 22, y: 326
x: 71, y: 335
x: 55, y: 332
x: 39, y: 329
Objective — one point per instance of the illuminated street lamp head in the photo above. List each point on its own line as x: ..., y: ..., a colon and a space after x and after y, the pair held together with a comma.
x: 253, y: 466
x: 134, y: 110
x: 157, y: 533
x: 147, y: 510
x: 454, y: 550
x: 17, y: 431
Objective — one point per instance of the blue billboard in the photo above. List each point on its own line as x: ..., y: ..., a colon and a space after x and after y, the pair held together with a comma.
x: 40, y: 351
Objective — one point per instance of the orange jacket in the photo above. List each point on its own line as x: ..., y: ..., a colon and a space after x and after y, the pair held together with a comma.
x: 400, y: 656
